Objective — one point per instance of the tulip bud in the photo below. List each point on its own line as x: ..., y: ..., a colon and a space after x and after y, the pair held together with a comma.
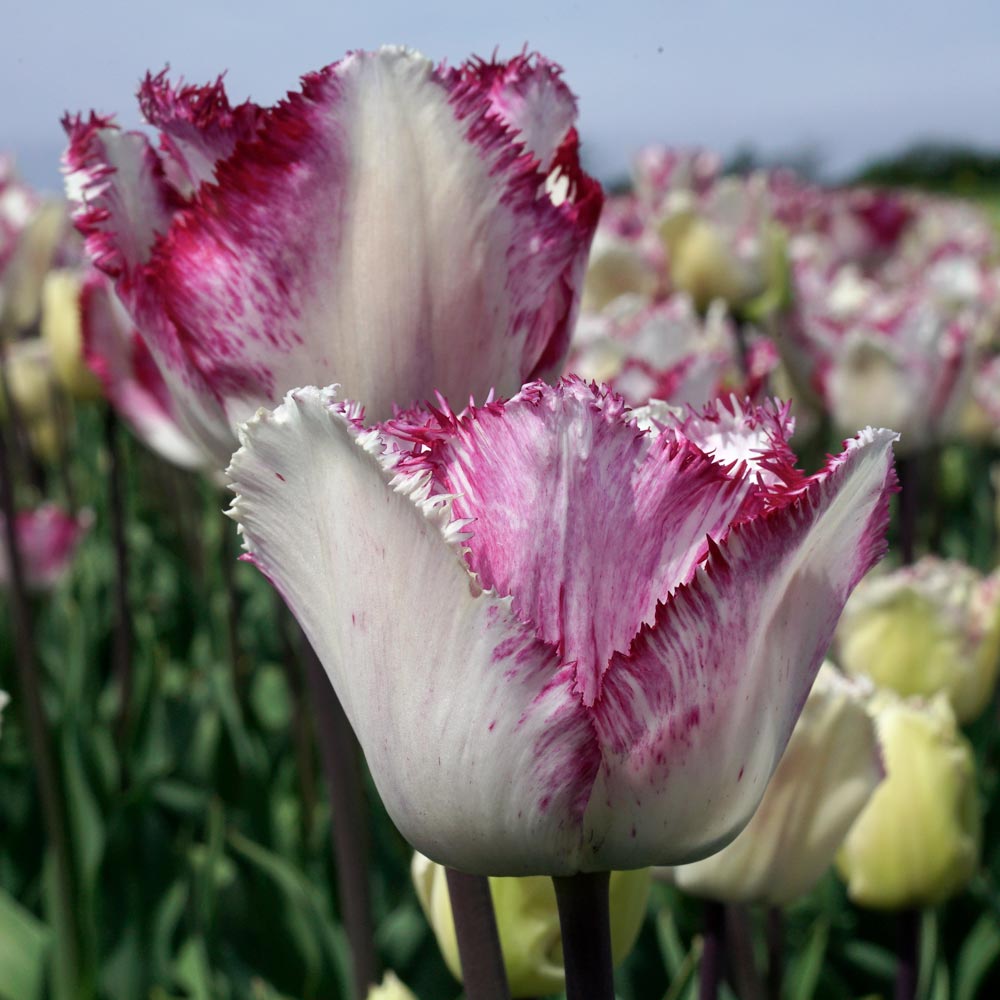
x: 24, y: 275
x: 616, y: 267
x: 828, y: 772
x: 61, y: 329
x: 917, y: 841
x: 29, y: 377
x: 702, y: 264
x: 391, y: 988
x: 28, y: 372
x: 4, y: 702
x: 933, y: 626
x: 528, y: 923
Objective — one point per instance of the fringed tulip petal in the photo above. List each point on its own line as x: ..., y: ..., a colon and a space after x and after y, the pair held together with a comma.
x: 471, y: 729
x: 586, y: 520
x: 198, y: 126
x: 695, y: 718
x: 116, y: 353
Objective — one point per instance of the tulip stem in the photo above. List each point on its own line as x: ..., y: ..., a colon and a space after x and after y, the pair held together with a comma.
x: 908, y: 470
x: 123, y: 622
x: 585, y: 922
x: 775, y: 934
x: 710, y: 971
x: 340, y: 759
x: 42, y: 759
x: 908, y: 955
x: 483, y: 971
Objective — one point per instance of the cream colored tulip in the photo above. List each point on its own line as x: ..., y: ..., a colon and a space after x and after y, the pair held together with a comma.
x: 917, y: 841
x: 23, y: 277
x: 61, y: 329
x: 391, y: 988
x: 827, y: 774
x: 528, y: 923
x: 930, y: 627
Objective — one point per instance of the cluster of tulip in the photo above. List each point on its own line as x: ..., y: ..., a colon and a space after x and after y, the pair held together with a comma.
x: 533, y: 506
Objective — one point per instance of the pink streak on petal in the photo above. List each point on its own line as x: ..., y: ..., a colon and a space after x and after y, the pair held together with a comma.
x: 586, y: 520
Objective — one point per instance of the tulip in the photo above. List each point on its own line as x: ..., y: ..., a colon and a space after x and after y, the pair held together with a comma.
x: 828, y: 772
x: 33, y: 233
x: 626, y: 684
x: 433, y: 219
x: 30, y: 381
x: 617, y: 266
x: 528, y: 923
x: 4, y: 702
x: 667, y: 351
x: 47, y: 539
x: 892, y: 325
x: 61, y: 329
x: 917, y: 841
x: 927, y: 628
x: 391, y: 988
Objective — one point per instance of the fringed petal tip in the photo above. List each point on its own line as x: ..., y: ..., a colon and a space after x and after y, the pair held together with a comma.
x: 414, y: 483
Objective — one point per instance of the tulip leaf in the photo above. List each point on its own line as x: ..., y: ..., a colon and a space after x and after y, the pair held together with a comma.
x: 979, y: 954
x: 24, y: 941
x: 804, y: 975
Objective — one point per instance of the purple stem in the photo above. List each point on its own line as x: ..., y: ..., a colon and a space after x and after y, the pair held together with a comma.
x: 483, y: 971
x: 712, y: 952
x: 123, y: 619
x: 585, y: 922
x: 775, y: 934
x: 908, y: 954
x: 340, y: 758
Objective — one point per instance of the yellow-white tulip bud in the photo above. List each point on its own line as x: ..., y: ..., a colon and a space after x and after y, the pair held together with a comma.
x: 917, y: 841
x: 23, y: 277
x: 61, y: 329
x: 616, y: 267
x: 930, y: 627
x: 528, y: 923
x: 391, y: 988
x: 828, y: 772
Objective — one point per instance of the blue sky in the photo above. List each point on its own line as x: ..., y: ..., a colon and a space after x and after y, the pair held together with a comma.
x: 851, y: 79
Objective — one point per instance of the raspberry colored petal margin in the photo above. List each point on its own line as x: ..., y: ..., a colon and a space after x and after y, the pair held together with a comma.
x: 198, y: 126
x: 122, y: 197
x: 481, y: 752
x: 118, y: 356
x: 587, y: 520
x: 695, y: 719
x: 386, y: 230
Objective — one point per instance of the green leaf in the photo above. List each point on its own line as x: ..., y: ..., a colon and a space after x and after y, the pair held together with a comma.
x: 805, y: 970
x: 979, y: 954
x: 24, y: 942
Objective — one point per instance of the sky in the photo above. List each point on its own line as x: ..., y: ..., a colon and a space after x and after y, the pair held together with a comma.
x: 848, y: 80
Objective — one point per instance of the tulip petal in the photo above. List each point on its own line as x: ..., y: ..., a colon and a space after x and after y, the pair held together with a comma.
x: 382, y: 173
x: 124, y: 199
x: 198, y: 126
x: 116, y: 353
x: 479, y: 748
x: 695, y: 718
x: 588, y: 521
